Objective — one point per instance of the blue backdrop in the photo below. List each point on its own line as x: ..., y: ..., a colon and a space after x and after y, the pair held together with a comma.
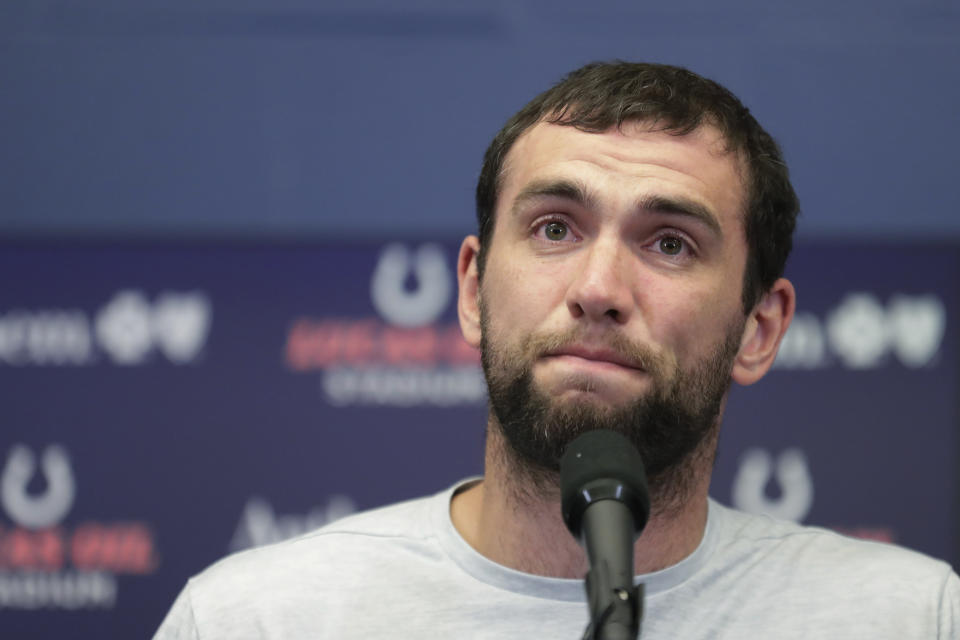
x: 290, y: 117
x: 165, y: 404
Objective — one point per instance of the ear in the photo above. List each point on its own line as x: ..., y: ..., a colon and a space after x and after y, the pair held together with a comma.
x: 468, y: 299
x: 765, y: 327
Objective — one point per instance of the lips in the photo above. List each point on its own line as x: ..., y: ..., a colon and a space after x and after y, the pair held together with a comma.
x: 597, y: 355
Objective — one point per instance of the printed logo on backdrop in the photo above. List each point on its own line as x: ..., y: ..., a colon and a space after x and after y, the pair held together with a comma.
x: 862, y: 333
x: 792, y: 495
x: 781, y: 486
x: 129, y: 329
x: 402, y: 357
x: 45, y: 564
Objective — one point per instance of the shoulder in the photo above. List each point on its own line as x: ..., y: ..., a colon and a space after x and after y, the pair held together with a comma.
x: 328, y: 548
x: 337, y: 565
x: 762, y: 574
x: 269, y: 582
x: 813, y: 554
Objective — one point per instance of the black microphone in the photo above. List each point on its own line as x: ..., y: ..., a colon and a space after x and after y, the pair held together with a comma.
x: 605, y: 505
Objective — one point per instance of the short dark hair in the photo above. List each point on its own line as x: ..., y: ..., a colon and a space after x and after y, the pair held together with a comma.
x: 602, y: 95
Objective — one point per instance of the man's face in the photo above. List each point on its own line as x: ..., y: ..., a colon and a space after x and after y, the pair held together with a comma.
x: 611, y: 295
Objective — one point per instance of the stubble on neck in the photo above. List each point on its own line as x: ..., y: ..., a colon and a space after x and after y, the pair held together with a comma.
x: 513, y: 516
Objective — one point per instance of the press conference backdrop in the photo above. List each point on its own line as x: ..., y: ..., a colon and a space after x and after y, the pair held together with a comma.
x: 166, y: 404
x: 180, y: 380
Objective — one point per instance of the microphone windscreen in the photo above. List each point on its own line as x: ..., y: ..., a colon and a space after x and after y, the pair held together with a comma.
x: 602, y: 464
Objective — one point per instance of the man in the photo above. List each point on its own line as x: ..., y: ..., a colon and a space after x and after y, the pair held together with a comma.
x: 634, y: 222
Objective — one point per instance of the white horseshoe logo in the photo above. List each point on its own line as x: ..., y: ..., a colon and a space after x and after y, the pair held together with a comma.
x: 420, y: 306
x: 792, y: 474
x: 47, y: 509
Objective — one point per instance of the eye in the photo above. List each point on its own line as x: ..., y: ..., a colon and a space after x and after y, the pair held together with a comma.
x: 555, y: 231
x: 671, y: 245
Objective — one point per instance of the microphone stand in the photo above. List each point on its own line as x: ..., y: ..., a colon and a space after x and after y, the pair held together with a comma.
x: 620, y: 619
x: 616, y: 604
x: 605, y: 504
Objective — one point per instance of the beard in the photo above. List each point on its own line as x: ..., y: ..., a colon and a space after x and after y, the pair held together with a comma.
x: 674, y: 425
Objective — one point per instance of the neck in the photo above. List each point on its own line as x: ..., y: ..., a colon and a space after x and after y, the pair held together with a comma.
x: 518, y: 524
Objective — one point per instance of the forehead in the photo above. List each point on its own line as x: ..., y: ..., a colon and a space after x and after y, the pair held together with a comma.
x: 630, y: 162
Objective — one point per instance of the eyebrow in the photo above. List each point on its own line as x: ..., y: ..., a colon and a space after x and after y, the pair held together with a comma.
x: 678, y: 205
x: 561, y: 188
x: 577, y: 192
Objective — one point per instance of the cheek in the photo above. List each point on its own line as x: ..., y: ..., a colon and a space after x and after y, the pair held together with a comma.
x: 511, y: 314
x: 518, y: 296
x: 690, y: 323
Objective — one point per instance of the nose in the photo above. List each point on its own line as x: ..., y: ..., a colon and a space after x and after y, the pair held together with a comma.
x: 601, y: 289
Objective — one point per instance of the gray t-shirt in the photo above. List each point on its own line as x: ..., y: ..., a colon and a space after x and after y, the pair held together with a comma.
x: 403, y: 571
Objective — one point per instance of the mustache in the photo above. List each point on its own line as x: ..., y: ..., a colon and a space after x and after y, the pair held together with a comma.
x: 638, y: 354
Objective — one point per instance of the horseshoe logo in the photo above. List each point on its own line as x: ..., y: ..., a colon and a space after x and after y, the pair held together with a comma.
x: 48, y: 508
x: 414, y: 308
x: 792, y: 476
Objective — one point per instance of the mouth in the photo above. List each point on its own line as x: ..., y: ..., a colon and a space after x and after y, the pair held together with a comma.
x: 593, y: 357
